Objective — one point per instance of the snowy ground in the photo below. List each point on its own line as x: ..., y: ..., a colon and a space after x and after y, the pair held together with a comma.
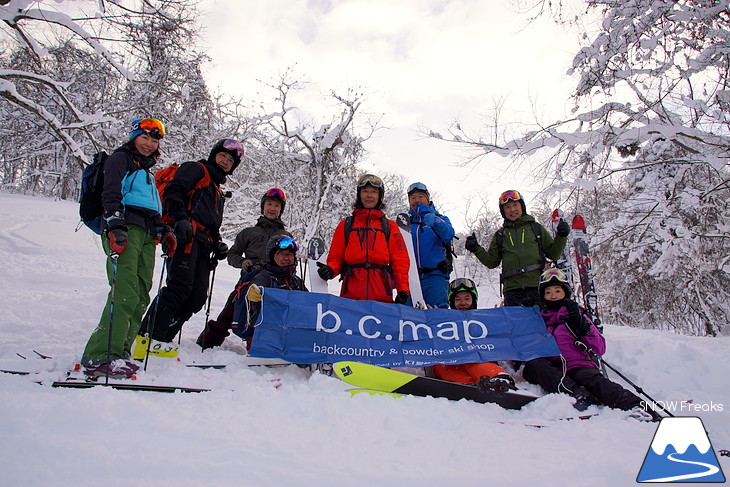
x: 308, y: 432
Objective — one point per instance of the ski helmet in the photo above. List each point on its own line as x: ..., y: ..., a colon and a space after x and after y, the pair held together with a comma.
x: 232, y: 147
x: 511, y: 195
x: 150, y: 126
x: 554, y: 277
x: 375, y: 182
x: 418, y: 187
x: 274, y: 194
x: 280, y: 242
x: 462, y: 284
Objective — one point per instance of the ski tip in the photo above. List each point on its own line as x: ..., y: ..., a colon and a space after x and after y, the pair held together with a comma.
x: 579, y: 223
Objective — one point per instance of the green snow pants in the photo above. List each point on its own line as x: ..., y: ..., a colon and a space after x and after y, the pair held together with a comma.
x: 135, y: 267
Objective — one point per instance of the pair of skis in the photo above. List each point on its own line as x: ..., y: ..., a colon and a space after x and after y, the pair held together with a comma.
x: 583, y: 263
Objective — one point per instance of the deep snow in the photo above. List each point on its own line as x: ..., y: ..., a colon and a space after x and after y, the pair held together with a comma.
x: 308, y: 432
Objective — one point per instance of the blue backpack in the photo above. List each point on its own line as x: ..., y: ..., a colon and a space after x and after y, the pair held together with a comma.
x: 91, y: 209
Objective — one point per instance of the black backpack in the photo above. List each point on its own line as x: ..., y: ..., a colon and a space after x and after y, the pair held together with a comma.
x: 349, y: 221
x: 91, y: 209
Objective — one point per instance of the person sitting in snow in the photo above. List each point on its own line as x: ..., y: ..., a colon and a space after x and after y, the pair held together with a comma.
x: 579, y: 341
x: 463, y: 296
x: 278, y: 272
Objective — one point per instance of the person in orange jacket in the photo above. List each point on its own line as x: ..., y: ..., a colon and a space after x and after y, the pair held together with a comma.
x: 368, y: 250
x: 463, y: 296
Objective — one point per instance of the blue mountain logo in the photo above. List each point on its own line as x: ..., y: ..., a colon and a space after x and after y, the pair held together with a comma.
x: 680, y: 452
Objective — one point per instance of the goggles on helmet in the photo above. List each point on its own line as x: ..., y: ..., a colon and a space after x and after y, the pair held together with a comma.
x: 233, y: 145
x: 369, y: 179
x: 151, y: 126
x: 554, y: 274
x: 417, y: 187
x: 463, y: 284
x: 509, y: 195
x: 276, y: 193
x: 287, y: 243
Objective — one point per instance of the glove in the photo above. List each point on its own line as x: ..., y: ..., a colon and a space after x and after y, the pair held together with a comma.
x: 325, y: 271
x: 220, y: 250
x: 247, y: 265
x: 575, y: 321
x: 183, y: 231
x: 118, y: 240
x: 169, y: 242
x: 402, y: 297
x: 212, y: 263
x: 471, y: 243
x: 429, y: 219
x: 563, y: 229
x: 254, y: 294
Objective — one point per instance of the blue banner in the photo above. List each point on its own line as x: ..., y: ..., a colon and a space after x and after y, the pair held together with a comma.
x: 307, y: 328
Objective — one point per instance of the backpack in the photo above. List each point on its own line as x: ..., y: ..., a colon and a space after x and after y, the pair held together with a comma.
x: 163, y: 178
x: 349, y: 221
x: 538, y: 236
x: 91, y: 209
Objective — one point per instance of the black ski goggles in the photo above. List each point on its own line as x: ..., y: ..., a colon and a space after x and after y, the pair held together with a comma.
x: 462, y: 284
x: 287, y: 243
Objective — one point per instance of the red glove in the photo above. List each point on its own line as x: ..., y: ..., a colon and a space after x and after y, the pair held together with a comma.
x: 118, y: 240
x: 169, y: 243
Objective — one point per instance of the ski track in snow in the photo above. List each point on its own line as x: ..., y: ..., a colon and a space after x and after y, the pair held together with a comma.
x: 309, y: 431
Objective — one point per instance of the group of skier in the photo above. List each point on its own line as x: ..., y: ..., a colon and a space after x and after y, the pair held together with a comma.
x: 367, y: 250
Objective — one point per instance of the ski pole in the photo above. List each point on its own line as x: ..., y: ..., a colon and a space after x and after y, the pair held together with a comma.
x: 115, y: 258
x: 153, y: 317
x: 628, y: 381
x: 207, y: 310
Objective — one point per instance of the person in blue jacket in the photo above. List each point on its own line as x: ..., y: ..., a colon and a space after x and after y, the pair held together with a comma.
x: 430, y: 232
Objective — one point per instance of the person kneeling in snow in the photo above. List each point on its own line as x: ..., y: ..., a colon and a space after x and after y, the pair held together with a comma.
x: 574, y: 371
x: 279, y: 272
x: 463, y: 296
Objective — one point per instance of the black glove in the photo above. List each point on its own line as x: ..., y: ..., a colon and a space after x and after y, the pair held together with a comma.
x: 212, y: 263
x: 575, y: 320
x: 325, y: 271
x: 563, y: 229
x: 402, y: 297
x: 471, y: 243
x: 118, y: 240
x: 220, y: 250
x: 183, y: 231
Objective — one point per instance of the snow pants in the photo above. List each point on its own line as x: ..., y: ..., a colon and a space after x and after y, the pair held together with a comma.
x: 434, y: 286
x: 466, y: 373
x: 606, y: 391
x: 528, y: 296
x: 131, y: 295
x: 184, y: 294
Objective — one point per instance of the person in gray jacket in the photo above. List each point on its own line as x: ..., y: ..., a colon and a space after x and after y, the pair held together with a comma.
x: 248, y: 253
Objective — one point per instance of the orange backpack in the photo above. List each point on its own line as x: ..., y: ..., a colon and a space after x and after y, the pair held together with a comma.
x: 163, y: 178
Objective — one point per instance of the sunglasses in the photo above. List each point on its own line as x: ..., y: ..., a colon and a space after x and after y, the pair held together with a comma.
x: 462, y: 284
x: 509, y: 195
x: 234, y: 145
x: 152, y: 126
x: 370, y: 179
x: 417, y: 187
x: 287, y: 243
x: 276, y: 193
x: 553, y: 273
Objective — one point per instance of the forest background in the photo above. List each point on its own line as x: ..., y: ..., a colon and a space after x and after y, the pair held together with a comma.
x: 642, y: 153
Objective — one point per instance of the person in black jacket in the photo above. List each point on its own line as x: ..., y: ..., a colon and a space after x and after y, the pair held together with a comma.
x: 130, y: 230
x: 278, y: 272
x: 195, y: 201
x: 248, y: 253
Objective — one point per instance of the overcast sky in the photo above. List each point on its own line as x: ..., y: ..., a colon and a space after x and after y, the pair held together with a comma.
x: 422, y: 63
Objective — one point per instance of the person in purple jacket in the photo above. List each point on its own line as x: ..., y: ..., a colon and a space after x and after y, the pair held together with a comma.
x: 574, y: 371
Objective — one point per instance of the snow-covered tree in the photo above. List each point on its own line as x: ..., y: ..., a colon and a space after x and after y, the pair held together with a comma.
x: 646, y: 153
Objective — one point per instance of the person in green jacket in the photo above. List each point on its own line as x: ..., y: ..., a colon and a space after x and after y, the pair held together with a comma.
x: 521, y: 246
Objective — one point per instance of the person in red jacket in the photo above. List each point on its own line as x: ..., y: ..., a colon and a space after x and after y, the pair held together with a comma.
x: 368, y: 250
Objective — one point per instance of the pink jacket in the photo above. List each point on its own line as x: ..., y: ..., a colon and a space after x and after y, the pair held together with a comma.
x: 574, y: 355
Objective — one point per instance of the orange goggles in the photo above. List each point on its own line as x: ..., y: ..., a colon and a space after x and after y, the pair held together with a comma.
x: 509, y: 195
x: 151, y: 126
